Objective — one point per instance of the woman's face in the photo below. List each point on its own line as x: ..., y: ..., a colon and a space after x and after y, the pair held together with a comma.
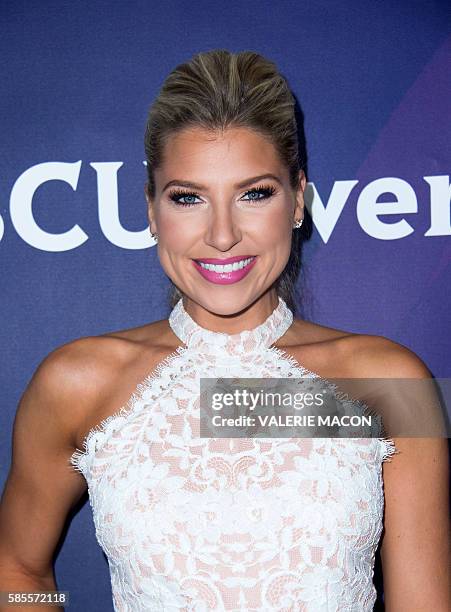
x: 214, y: 199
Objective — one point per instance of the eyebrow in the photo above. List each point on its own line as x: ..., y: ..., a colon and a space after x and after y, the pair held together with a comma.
x: 240, y: 185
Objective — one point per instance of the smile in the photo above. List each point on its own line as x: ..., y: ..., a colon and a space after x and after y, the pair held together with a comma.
x: 225, y: 271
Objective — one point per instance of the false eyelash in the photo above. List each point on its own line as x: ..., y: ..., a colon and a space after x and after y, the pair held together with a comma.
x: 178, y: 193
x: 268, y: 191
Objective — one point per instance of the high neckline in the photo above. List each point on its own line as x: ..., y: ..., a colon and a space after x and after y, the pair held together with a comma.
x: 248, y: 340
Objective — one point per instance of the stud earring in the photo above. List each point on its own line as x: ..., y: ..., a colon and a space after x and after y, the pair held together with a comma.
x: 154, y: 236
x: 298, y: 224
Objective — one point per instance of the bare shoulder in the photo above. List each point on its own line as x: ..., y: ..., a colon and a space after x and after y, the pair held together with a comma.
x: 340, y: 353
x: 379, y: 357
x: 86, y: 377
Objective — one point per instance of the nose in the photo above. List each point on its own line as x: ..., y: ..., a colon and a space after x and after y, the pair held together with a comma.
x: 223, y: 231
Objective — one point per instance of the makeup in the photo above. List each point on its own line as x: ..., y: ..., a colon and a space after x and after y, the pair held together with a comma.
x: 225, y: 271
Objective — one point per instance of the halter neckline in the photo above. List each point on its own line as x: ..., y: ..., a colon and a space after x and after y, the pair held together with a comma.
x: 206, y: 340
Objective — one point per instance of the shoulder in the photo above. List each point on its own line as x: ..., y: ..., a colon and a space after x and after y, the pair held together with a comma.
x: 81, y: 363
x: 341, y: 353
x: 84, y: 360
x: 76, y: 379
x: 372, y: 356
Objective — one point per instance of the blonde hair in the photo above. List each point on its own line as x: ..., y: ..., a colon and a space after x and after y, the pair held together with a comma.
x: 220, y: 89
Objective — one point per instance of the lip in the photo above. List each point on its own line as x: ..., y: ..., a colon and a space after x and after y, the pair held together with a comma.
x: 224, y: 262
x: 225, y: 278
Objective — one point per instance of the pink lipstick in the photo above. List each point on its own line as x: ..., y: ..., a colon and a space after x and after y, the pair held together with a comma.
x: 225, y: 271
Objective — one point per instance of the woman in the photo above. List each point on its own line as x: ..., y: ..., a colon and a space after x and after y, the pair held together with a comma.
x: 192, y: 523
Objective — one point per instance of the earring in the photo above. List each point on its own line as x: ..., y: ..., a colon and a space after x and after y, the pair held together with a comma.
x: 298, y: 224
x: 154, y: 236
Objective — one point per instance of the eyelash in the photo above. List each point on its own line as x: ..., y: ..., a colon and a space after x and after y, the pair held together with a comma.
x: 267, y: 192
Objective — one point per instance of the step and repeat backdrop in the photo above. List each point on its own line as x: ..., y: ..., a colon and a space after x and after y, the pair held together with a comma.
x: 373, y: 82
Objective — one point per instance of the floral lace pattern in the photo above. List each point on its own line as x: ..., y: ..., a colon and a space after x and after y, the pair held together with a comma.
x: 244, y: 524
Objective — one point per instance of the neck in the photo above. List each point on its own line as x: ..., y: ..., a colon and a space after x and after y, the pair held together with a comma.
x: 234, y: 332
x: 228, y: 319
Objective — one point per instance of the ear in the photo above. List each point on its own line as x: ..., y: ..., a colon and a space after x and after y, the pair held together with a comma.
x: 299, y: 205
x: 150, y: 210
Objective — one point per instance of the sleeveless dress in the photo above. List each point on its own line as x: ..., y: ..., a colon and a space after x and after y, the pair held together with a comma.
x: 244, y: 524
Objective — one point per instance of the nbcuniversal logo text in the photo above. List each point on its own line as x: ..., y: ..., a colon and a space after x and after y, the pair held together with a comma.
x: 324, y: 215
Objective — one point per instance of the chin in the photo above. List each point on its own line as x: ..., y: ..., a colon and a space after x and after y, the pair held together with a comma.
x: 227, y: 303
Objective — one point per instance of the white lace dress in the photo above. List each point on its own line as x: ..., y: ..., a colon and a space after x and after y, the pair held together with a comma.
x: 244, y: 524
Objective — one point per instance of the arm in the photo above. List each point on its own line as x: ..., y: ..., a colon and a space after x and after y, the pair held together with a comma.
x: 415, y: 547
x: 415, y: 550
x: 41, y: 488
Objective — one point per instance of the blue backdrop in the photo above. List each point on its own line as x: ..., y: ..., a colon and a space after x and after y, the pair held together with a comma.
x: 373, y: 80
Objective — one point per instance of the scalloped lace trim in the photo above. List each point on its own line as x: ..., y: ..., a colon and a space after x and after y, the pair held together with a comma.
x: 108, y: 425
x: 388, y: 448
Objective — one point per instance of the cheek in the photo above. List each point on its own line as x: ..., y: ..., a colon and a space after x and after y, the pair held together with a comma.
x: 275, y: 229
x: 177, y: 232
x: 276, y: 225
x: 278, y: 234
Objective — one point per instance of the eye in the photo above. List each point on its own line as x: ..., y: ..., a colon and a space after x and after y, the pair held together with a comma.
x: 177, y: 194
x: 260, y: 193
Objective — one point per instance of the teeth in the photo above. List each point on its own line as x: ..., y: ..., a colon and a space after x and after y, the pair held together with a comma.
x: 237, y: 265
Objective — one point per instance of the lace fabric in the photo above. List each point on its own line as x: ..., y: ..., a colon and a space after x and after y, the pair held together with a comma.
x: 244, y: 524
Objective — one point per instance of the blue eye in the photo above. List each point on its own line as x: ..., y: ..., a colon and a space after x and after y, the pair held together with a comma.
x: 177, y: 194
x: 262, y: 192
